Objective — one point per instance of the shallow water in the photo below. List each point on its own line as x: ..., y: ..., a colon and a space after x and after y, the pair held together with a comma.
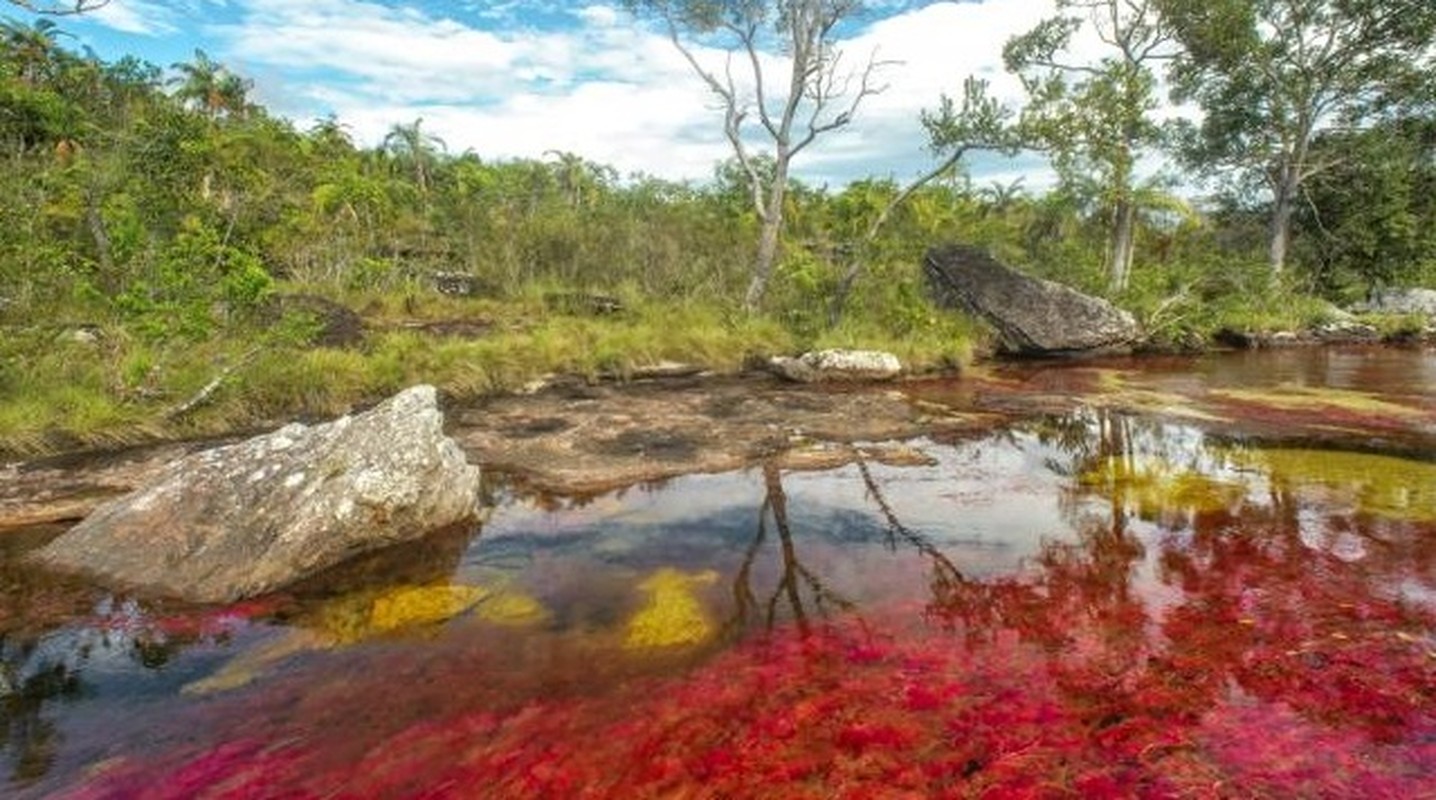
x: 1084, y: 602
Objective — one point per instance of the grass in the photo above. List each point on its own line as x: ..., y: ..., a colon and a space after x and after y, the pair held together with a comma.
x: 58, y: 393
x: 122, y: 389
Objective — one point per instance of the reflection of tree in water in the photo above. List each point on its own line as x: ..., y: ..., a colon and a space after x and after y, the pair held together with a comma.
x: 29, y: 681
x: 795, y: 577
x: 1257, y: 608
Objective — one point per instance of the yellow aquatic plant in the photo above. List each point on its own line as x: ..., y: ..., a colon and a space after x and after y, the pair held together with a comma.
x: 672, y: 615
x: 412, y: 606
x: 1315, y: 398
x: 505, y: 607
x: 1388, y: 486
x: 1153, y: 486
x: 355, y: 618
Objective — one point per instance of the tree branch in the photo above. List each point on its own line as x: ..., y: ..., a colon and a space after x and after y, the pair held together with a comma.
x: 60, y: 9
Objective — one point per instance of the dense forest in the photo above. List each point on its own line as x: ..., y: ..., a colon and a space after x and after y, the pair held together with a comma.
x: 172, y: 255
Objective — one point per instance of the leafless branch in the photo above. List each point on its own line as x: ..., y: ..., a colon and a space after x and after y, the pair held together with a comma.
x: 60, y: 9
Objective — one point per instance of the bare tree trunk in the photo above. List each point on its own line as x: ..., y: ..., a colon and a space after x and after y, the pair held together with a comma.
x: 95, y: 220
x: 1280, y: 231
x: 1124, y: 241
x: 763, y: 264
x: 771, y: 233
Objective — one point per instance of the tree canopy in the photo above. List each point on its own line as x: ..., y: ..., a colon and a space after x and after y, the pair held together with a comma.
x: 1270, y: 75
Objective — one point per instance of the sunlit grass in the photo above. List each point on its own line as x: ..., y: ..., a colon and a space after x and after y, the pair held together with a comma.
x: 123, y: 389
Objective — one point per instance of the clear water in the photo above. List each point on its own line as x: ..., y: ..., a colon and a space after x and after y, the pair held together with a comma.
x: 1084, y: 603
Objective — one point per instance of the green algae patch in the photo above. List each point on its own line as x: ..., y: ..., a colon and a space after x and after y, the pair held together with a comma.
x: 672, y: 615
x: 1387, y: 486
x: 1124, y: 390
x: 1155, y: 488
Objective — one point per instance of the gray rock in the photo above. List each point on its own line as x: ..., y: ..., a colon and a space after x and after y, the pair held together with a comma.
x: 837, y: 365
x: 1345, y: 330
x: 1032, y: 316
x: 248, y: 518
x: 1401, y: 301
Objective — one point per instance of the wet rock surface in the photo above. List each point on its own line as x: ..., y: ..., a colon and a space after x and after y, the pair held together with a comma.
x: 587, y: 439
x: 243, y: 519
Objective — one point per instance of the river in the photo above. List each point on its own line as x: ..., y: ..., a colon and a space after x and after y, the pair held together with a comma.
x: 1191, y: 577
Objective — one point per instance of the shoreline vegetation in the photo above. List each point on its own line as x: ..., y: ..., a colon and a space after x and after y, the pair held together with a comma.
x: 176, y: 262
x: 99, y: 387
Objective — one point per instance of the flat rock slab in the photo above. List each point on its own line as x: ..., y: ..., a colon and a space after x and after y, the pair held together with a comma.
x: 248, y: 518
x: 589, y: 439
x: 67, y: 488
x: 575, y: 438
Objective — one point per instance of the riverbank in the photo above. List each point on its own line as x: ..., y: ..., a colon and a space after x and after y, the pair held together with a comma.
x: 72, y: 387
x: 574, y: 438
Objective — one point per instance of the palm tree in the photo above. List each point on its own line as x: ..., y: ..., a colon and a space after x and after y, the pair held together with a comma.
x: 210, y: 87
x: 33, y: 47
x: 412, y: 147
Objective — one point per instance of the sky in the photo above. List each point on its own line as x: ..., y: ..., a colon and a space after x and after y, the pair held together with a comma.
x: 527, y: 78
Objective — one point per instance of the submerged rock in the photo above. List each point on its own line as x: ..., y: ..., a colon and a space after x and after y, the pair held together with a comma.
x: 1032, y: 316
x: 837, y: 365
x: 245, y: 519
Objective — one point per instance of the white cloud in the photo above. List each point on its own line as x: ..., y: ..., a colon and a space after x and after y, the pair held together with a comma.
x: 141, y: 17
x: 607, y: 88
x: 602, y: 16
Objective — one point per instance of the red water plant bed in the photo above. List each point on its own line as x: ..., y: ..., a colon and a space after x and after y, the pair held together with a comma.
x: 1226, y: 695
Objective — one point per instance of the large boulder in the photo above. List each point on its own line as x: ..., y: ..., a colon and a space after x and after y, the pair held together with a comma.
x: 837, y: 365
x: 248, y: 518
x: 1032, y: 316
x: 1401, y: 301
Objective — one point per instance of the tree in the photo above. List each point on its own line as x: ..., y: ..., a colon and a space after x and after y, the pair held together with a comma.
x: 821, y: 95
x: 1095, y: 118
x: 210, y: 87
x: 33, y: 47
x: 1368, y: 217
x: 57, y: 8
x: 416, y: 150
x: 1271, y: 74
x: 979, y: 122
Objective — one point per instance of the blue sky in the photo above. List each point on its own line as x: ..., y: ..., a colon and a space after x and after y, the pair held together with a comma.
x: 521, y: 78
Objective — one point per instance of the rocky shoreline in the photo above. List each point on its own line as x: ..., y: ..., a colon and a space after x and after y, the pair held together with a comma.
x: 567, y: 435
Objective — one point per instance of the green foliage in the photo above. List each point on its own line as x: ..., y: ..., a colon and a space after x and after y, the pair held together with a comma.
x: 1094, y: 118
x: 167, y: 215
x: 1269, y: 75
x: 196, y: 273
x: 1368, y: 217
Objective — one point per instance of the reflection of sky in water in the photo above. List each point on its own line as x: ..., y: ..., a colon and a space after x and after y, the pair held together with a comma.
x: 992, y: 507
x: 987, y: 504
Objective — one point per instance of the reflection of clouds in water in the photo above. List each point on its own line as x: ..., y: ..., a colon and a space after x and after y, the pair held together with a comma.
x: 970, y: 500
x: 1318, y: 534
